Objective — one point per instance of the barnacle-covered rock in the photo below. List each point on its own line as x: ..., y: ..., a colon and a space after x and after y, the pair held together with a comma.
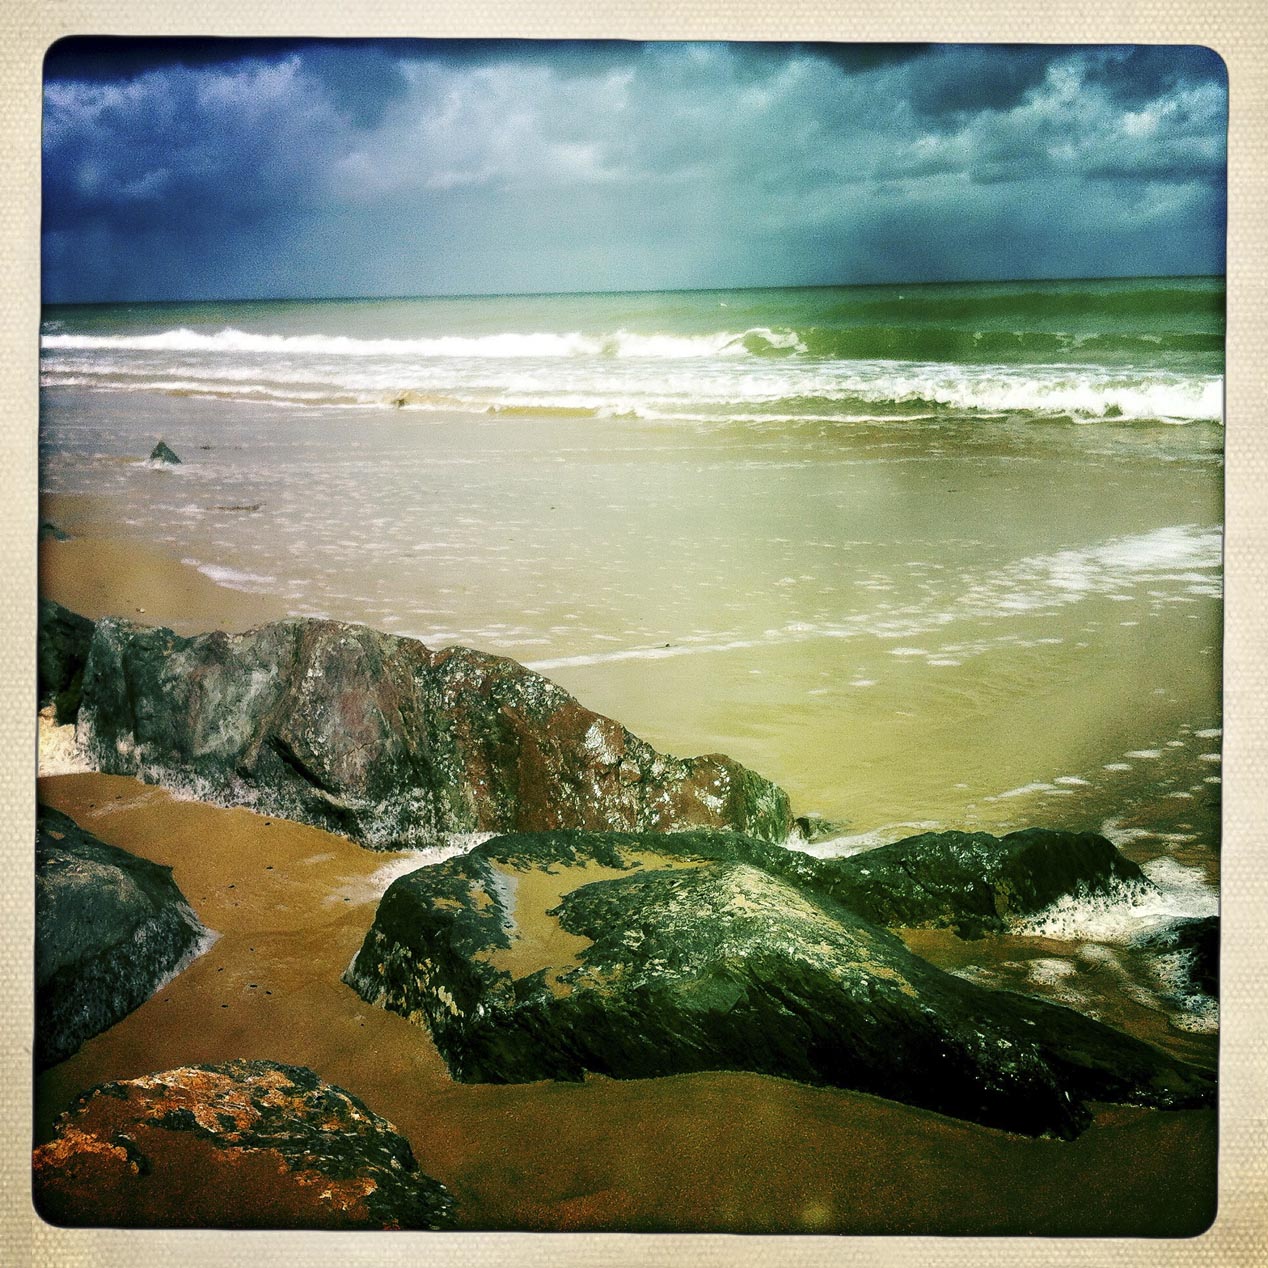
x: 246, y: 1144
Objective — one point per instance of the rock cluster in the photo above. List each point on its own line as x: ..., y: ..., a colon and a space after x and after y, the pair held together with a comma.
x: 638, y: 915
x: 246, y: 1144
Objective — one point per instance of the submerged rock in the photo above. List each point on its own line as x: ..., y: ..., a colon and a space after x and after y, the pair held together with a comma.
x: 549, y: 955
x: 246, y: 1144
x: 973, y: 882
x: 162, y: 454
x: 64, y: 639
x: 378, y: 738
x: 109, y: 929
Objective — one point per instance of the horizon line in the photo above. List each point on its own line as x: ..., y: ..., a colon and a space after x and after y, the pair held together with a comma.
x: 656, y: 290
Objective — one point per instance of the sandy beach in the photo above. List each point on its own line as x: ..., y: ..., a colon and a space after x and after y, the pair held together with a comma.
x: 100, y: 576
x: 954, y: 619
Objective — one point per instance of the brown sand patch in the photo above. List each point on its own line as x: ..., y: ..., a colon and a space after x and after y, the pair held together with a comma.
x: 100, y: 576
x: 720, y: 1152
x: 539, y: 941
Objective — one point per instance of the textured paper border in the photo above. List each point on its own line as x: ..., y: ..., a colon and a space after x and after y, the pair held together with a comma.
x: 1239, y: 32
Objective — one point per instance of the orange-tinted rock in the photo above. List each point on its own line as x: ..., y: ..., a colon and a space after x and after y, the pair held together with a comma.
x: 382, y: 740
x: 247, y: 1144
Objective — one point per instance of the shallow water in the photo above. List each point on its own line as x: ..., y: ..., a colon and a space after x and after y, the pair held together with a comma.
x: 898, y: 623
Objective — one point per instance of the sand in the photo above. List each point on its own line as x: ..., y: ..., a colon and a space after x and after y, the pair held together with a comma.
x: 704, y: 1152
x: 99, y: 577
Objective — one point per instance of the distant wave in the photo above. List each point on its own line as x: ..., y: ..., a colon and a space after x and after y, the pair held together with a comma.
x: 891, y: 340
x: 673, y: 390
x: 619, y: 343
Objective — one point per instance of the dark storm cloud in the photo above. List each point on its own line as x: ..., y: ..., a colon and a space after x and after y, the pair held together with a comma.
x: 1139, y: 73
x: 198, y: 167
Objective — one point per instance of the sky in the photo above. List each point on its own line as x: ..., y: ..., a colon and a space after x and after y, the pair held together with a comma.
x: 219, y: 169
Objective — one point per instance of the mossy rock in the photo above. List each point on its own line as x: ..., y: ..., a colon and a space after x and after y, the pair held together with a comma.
x: 636, y: 956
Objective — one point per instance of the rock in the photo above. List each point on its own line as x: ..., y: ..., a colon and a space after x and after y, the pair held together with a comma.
x: 1195, y: 944
x: 817, y: 828
x: 246, y: 1144
x: 973, y: 882
x: 386, y: 742
x: 162, y: 454
x: 64, y: 639
x: 548, y: 955
x: 109, y: 929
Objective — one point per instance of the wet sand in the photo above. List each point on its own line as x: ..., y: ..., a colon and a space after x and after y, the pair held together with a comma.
x: 98, y: 575
x: 706, y: 1152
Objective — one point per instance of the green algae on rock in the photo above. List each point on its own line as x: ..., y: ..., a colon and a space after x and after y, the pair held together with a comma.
x: 245, y: 1144
x: 381, y: 740
x: 109, y: 928
x: 636, y: 956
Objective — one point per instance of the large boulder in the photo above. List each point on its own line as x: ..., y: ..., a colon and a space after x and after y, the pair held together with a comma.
x: 247, y: 1144
x: 976, y: 883
x: 395, y: 746
x: 635, y: 956
x: 109, y: 929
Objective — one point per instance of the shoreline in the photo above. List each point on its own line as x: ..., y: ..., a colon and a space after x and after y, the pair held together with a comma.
x: 97, y: 575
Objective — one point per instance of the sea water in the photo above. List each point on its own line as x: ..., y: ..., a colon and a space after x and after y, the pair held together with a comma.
x: 927, y: 556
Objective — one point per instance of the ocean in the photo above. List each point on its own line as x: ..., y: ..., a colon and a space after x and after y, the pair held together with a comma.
x: 929, y: 556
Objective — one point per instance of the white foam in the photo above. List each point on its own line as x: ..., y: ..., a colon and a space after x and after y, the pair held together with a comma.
x: 202, y: 944
x: 231, y: 578
x: 1173, y: 892
x: 1191, y: 1010
x: 1050, y: 971
x: 507, y: 344
x: 369, y: 889
x: 59, y: 753
x: 1024, y: 791
x: 654, y: 375
x: 857, y: 843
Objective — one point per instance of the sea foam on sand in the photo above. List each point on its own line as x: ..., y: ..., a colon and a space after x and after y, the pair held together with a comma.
x: 59, y: 751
